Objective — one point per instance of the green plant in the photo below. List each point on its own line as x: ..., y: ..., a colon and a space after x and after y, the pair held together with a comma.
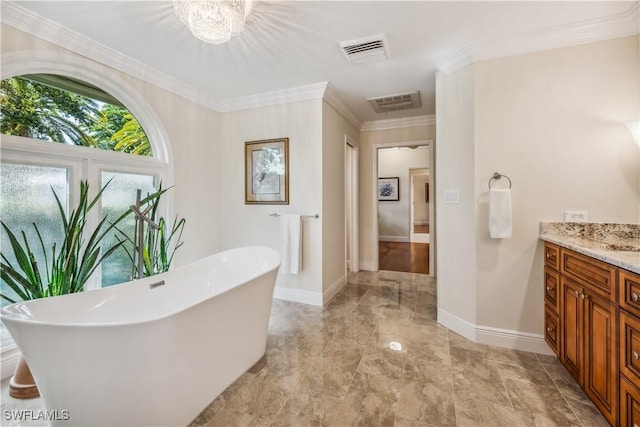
x: 70, y: 264
x: 160, y: 245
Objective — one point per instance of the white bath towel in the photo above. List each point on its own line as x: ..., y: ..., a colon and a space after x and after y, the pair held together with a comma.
x: 500, y: 213
x: 291, y: 229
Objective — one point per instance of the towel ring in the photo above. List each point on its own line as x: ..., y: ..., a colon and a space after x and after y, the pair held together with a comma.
x: 497, y: 176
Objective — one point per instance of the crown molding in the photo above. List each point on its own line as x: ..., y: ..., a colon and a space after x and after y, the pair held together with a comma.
x: 35, y: 25
x: 266, y: 99
x: 406, y: 122
x: 591, y: 31
x: 332, y: 98
x: 458, y: 60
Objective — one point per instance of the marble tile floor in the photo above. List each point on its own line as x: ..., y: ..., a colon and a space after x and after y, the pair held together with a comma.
x: 375, y: 356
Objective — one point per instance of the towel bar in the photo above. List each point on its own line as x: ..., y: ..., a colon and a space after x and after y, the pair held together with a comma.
x: 276, y: 215
x: 497, y: 176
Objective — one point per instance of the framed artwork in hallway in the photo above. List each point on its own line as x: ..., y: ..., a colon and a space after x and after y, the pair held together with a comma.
x: 389, y: 189
x: 266, y: 178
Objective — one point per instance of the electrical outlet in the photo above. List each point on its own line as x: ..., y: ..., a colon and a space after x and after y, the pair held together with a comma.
x: 576, y: 216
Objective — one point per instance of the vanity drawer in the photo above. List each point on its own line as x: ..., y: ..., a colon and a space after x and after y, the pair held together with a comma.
x: 552, y: 256
x: 551, y: 328
x: 630, y: 292
x: 599, y: 276
x: 630, y: 346
x: 629, y: 404
x: 551, y: 288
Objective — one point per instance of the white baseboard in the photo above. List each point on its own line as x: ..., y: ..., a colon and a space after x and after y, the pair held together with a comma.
x: 420, y: 238
x: 507, y: 338
x: 457, y: 325
x: 402, y: 239
x: 9, y: 362
x: 333, y: 290
x: 366, y: 266
x: 297, y: 295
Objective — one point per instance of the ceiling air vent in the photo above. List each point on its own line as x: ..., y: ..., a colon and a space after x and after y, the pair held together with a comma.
x: 368, y: 49
x: 396, y: 102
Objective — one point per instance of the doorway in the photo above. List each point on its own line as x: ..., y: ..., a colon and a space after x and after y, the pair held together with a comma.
x: 403, y: 227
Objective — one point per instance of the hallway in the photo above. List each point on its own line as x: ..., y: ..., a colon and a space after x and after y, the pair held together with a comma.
x: 404, y: 257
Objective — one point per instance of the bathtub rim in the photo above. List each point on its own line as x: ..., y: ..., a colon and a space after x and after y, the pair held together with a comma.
x: 6, y: 314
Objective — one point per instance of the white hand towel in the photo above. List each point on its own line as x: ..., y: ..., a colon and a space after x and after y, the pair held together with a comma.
x: 291, y: 228
x: 500, y: 213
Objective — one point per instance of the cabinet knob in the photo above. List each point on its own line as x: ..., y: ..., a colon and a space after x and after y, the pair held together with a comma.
x: 635, y: 355
x: 548, y: 255
x: 578, y: 293
x: 550, y: 288
x: 635, y: 297
x: 584, y: 296
x: 550, y: 329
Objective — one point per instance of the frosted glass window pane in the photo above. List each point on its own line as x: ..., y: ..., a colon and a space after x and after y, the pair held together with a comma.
x: 117, y: 198
x: 26, y: 198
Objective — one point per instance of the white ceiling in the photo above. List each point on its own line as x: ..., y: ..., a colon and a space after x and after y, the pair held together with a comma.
x: 293, y: 44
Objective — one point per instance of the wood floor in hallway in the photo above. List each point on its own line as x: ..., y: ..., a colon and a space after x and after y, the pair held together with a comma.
x: 406, y: 257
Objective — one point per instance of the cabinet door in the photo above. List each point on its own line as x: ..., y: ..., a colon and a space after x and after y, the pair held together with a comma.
x: 629, y: 404
x: 600, y: 356
x: 552, y: 329
x: 551, y: 288
x: 571, y: 328
x: 552, y: 255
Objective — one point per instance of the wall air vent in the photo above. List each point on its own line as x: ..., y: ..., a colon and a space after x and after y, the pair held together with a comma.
x: 401, y: 101
x: 368, y: 49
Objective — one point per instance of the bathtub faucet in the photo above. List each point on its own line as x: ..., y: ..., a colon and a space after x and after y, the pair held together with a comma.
x: 141, y: 218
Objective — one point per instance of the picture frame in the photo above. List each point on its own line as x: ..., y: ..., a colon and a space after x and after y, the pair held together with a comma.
x: 266, y: 172
x: 389, y: 189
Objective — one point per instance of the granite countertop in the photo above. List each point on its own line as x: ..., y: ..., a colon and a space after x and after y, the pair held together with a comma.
x: 616, y: 244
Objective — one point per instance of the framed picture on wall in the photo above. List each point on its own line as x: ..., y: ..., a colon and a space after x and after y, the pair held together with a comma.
x: 266, y: 178
x: 389, y: 189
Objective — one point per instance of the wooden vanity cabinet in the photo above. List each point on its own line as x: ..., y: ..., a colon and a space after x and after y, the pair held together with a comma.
x: 585, y: 297
x: 629, y: 296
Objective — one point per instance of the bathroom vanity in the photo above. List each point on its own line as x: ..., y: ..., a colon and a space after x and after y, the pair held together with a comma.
x: 592, y: 311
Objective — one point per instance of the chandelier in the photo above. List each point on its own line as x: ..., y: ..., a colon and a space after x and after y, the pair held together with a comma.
x: 213, y: 21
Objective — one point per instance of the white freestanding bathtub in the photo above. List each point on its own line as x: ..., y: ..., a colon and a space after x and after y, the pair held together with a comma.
x: 145, y: 353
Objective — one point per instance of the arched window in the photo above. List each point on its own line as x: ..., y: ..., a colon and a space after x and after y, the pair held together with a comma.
x: 57, y: 131
x: 65, y: 110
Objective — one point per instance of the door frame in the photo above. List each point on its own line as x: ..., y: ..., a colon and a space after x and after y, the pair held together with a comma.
x: 374, y: 180
x: 352, y: 238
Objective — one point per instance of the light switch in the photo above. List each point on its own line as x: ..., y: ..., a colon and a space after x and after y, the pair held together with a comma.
x: 452, y: 196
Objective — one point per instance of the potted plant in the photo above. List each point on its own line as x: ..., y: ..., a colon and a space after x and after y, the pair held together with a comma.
x: 159, y: 245
x: 68, y: 264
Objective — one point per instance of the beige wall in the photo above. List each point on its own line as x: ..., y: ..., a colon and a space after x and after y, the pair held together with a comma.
x: 191, y: 130
x: 455, y: 222
x: 334, y: 129
x: 394, y: 216
x: 368, y: 180
x: 242, y: 224
x: 551, y: 121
